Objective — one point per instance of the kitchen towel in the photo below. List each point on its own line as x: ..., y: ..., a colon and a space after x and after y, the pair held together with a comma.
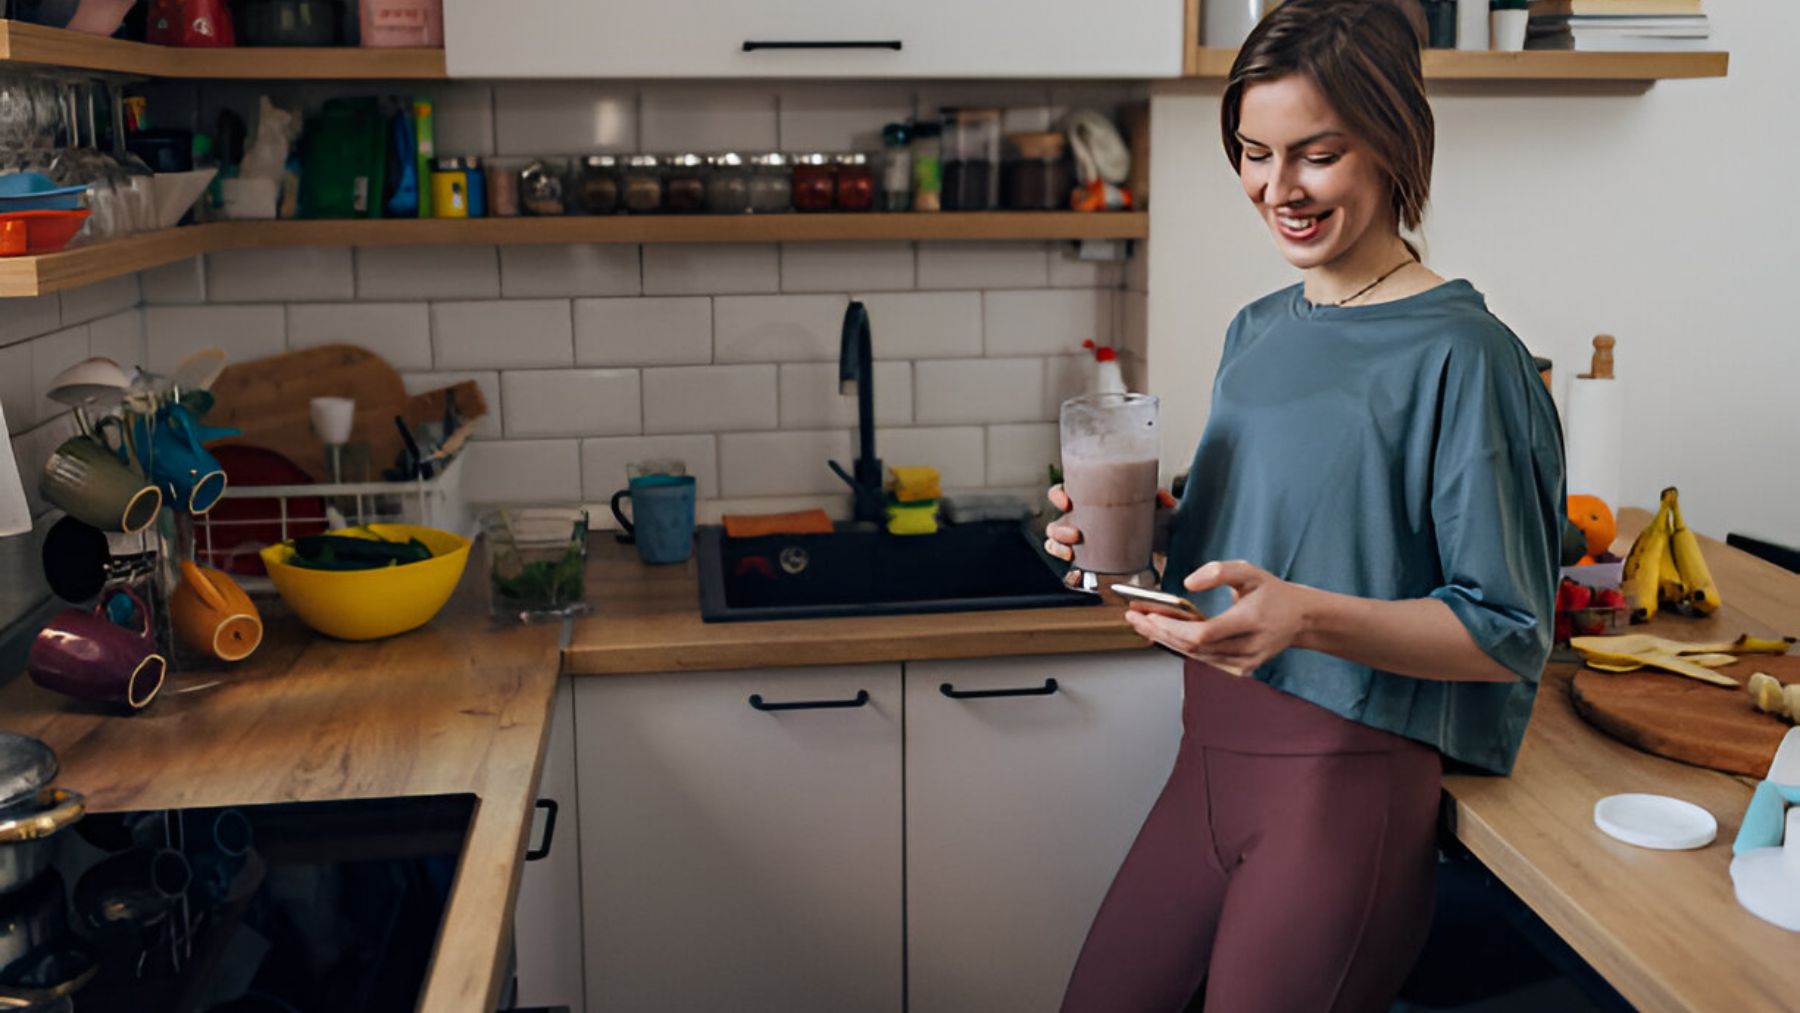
x: 1595, y: 431
x: 15, y: 511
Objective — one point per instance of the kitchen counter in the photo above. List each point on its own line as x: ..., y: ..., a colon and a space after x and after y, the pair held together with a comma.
x: 647, y: 619
x: 459, y: 706
x: 1663, y: 927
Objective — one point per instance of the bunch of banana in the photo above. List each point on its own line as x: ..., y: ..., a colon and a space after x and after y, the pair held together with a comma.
x: 1665, y: 567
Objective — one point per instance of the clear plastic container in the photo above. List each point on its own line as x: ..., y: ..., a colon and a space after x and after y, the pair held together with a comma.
x: 684, y: 184
x: 598, y: 188
x: 771, y: 184
x: 855, y: 182
x: 815, y: 182
x: 539, y: 562
x: 728, y: 186
x: 643, y: 184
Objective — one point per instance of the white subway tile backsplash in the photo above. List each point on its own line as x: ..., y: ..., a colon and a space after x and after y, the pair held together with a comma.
x: 1046, y: 321
x: 978, y: 390
x: 777, y: 328
x: 1137, y: 267
x: 502, y: 334
x: 651, y: 331
x: 119, y: 337
x: 708, y: 399
x: 846, y: 267
x: 523, y: 471
x: 101, y: 299
x: 571, y: 402
x: 781, y: 464
x: 837, y: 507
x: 1104, y: 97
x: 50, y: 355
x: 17, y: 398
x: 25, y: 587
x: 1025, y: 104
x: 603, y: 462
x: 528, y: 272
x: 294, y: 274
x: 34, y: 448
x: 958, y: 453
x: 1021, y: 455
x: 488, y: 428
x: 738, y: 116
x: 564, y: 117
x: 244, y: 332
x: 28, y: 318
x: 838, y: 116
x: 427, y: 272
x: 983, y: 265
x: 180, y: 283
x: 711, y: 269
x: 462, y: 116
x: 1067, y: 270
x: 1065, y: 376
x: 924, y: 325
x: 398, y: 332
x: 1134, y: 323
x: 810, y: 398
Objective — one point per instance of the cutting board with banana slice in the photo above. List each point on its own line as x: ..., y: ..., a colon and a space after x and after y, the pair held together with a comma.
x: 1706, y: 723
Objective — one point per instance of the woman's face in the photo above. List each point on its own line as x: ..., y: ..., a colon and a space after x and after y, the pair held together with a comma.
x: 1320, y: 190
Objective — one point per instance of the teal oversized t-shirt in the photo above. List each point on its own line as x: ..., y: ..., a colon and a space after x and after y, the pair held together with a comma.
x: 1405, y: 449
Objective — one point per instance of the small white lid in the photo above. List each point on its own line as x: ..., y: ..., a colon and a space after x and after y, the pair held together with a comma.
x: 1655, y: 821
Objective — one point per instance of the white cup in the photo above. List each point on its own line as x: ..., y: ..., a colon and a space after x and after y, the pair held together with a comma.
x: 1471, y: 24
x: 332, y: 419
x: 1506, y: 29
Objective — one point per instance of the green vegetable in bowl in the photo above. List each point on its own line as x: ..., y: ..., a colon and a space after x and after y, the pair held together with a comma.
x: 545, y: 582
x: 340, y: 552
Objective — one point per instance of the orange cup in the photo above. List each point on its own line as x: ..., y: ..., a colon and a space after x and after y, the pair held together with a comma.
x: 213, y: 615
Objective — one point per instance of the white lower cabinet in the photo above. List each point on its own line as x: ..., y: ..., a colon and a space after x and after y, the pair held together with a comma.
x: 741, y: 859
x: 1020, y: 806
x: 547, y: 919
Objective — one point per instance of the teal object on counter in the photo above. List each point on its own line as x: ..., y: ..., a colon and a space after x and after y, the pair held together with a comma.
x: 1397, y: 450
x: 662, y: 517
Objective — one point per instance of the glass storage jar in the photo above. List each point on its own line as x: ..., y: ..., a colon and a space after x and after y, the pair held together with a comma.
x: 643, y: 192
x: 1038, y: 176
x: 541, y: 188
x: 728, y: 184
x: 971, y: 158
x: 771, y: 184
x: 926, y: 143
x: 599, y: 188
x: 684, y: 184
x: 815, y: 184
x: 855, y: 182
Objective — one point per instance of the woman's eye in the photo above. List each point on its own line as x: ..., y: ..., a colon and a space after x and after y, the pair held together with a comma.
x: 1256, y: 156
x: 1321, y: 159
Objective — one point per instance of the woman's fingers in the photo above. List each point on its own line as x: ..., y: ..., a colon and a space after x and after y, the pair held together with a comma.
x: 1058, y: 498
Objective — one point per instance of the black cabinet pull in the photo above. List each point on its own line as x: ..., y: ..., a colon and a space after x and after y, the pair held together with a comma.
x: 543, y: 849
x: 860, y: 699
x: 751, y: 46
x: 953, y: 693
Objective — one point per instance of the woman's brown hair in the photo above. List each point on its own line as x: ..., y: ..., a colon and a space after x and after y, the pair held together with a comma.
x: 1364, y: 57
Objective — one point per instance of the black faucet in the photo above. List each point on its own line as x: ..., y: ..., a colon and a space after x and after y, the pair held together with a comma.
x: 856, y: 374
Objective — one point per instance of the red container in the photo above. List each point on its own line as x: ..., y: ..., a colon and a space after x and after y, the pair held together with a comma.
x: 815, y: 183
x: 855, y: 183
x: 25, y: 233
x: 193, y: 23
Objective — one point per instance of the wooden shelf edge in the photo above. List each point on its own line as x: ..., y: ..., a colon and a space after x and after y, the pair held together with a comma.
x: 29, y: 276
x: 1529, y: 65
x: 57, y: 47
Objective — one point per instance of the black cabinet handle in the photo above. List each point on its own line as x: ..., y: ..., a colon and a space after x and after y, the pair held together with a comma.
x: 751, y: 46
x: 860, y: 699
x: 953, y: 693
x: 543, y: 849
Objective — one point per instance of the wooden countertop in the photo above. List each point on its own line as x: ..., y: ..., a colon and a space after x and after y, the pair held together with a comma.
x: 647, y: 619
x: 1663, y: 927
x: 459, y: 706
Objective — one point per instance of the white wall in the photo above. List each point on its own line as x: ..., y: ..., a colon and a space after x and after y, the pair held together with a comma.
x: 1667, y: 218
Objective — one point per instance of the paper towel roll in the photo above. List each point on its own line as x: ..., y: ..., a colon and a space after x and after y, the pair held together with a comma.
x: 1595, y: 435
x: 15, y: 510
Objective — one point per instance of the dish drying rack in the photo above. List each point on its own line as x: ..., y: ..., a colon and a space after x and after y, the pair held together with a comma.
x: 290, y: 511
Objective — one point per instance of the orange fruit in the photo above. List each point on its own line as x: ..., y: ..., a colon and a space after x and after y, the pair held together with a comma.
x: 1595, y: 519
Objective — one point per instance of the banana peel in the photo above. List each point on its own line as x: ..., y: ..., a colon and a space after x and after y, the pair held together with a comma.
x: 1633, y: 651
x: 1664, y: 662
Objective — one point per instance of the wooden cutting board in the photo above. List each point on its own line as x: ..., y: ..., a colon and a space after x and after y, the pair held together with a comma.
x: 1686, y: 720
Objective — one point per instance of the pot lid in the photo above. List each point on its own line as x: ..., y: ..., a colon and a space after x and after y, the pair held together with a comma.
x: 25, y: 766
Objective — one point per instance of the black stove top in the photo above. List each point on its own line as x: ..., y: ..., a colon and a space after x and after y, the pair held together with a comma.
x: 332, y: 907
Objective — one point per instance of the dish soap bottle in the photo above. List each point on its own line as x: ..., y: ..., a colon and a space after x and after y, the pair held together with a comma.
x: 1108, y: 377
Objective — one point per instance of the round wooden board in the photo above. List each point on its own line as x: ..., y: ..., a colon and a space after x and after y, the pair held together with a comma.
x: 1687, y: 720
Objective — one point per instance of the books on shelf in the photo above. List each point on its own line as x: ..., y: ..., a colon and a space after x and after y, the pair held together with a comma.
x: 1613, y: 8
x: 1616, y: 32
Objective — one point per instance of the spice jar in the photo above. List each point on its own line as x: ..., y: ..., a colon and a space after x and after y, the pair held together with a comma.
x: 502, y: 190
x: 684, y: 184
x: 449, y: 188
x: 643, y: 184
x: 896, y: 168
x: 771, y: 184
x: 599, y: 188
x: 925, y: 142
x: 1037, y: 177
x: 971, y: 159
x: 815, y: 184
x: 855, y: 182
x: 728, y: 184
x: 540, y: 189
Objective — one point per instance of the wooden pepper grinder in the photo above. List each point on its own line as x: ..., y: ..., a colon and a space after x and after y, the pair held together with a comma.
x: 1602, y: 366
x: 1594, y: 429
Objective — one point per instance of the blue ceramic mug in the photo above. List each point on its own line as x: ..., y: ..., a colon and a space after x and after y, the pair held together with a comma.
x: 662, y: 516
x: 170, y: 453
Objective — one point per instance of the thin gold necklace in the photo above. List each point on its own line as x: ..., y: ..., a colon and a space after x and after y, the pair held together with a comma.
x: 1366, y: 289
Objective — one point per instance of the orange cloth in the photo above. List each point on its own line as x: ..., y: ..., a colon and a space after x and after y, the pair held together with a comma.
x: 800, y: 522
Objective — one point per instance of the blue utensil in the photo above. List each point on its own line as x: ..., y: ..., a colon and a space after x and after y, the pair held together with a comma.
x: 34, y: 191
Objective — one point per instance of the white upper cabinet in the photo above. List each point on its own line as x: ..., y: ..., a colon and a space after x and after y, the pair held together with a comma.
x: 810, y: 38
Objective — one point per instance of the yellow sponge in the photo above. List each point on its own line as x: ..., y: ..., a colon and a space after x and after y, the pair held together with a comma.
x: 912, y: 518
x: 914, y: 485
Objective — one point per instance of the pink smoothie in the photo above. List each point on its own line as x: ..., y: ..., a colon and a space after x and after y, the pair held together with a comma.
x: 1113, y: 503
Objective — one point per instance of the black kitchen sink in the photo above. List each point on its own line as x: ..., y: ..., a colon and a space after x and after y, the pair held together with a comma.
x: 864, y: 571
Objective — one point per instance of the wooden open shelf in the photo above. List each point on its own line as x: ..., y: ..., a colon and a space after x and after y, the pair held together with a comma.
x: 28, y: 276
x: 1530, y: 65
x: 56, y: 47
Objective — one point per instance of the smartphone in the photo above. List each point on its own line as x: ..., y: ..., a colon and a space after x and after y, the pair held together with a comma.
x: 1162, y: 602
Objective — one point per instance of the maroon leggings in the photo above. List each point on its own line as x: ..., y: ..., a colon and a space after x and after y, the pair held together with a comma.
x: 1288, y: 864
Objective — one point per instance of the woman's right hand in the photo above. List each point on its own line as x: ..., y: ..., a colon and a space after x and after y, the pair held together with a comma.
x: 1062, y: 535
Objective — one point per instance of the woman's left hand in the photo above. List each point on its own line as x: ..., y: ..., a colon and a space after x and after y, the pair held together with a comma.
x: 1266, y: 617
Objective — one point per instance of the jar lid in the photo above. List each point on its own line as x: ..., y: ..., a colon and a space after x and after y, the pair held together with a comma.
x: 601, y: 161
x: 772, y: 159
x: 26, y: 765
x: 726, y: 158
x: 852, y: 158
x: 643, y: 161
x: 894, y: 134
x: 449, y: 163
x: 685, y: 160
x: 809, y: 158
x: 1046, y: 144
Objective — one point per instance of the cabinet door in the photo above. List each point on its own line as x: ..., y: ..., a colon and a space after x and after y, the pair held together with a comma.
x: 1019, y: 810
x: 707, y: 38
x: 547, y: 917
x: 741, y: 859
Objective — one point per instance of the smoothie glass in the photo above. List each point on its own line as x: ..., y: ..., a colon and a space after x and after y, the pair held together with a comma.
x: 1110, y: 453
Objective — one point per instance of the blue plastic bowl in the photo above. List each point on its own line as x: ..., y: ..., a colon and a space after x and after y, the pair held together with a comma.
x: 34, y: 191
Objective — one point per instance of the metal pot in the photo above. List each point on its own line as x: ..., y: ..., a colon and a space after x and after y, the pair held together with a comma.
x: 25, y: 835
x: 26, y: 765
x: 31, y: 921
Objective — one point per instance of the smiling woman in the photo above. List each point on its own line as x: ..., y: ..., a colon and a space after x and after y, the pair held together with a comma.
x: 1371, y: 525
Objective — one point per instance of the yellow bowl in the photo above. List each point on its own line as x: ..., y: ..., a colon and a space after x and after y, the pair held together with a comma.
x: 370, y: 604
